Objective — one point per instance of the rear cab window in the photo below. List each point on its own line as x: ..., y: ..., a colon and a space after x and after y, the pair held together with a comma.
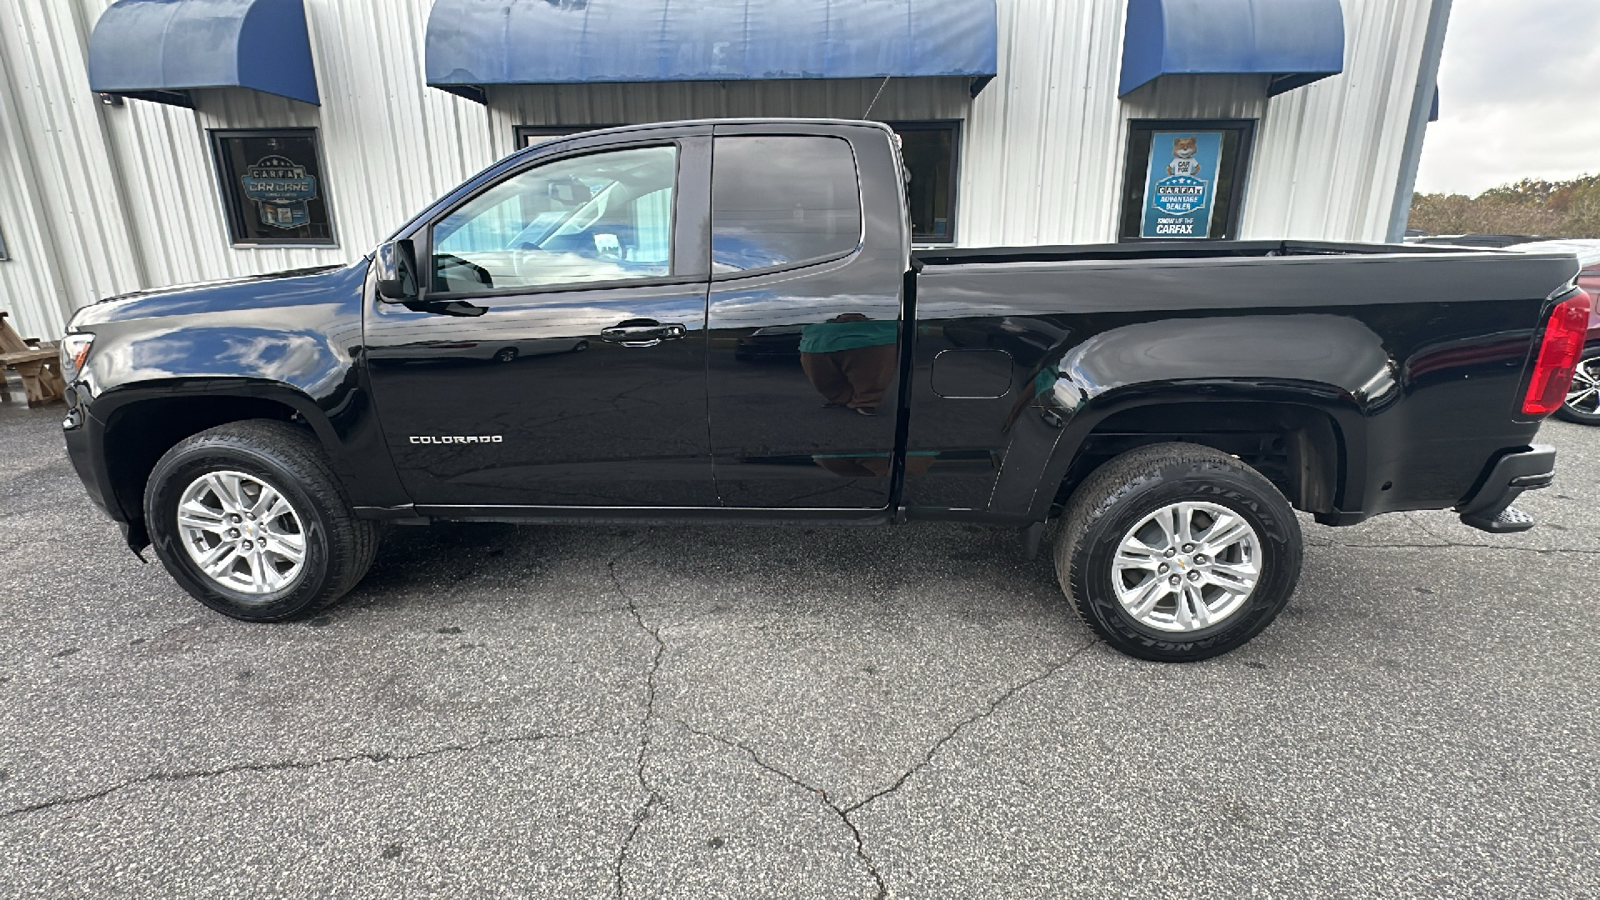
x: 782, y: 200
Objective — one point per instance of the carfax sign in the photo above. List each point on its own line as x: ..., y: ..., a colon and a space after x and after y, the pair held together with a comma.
x: 1180, y: 187
x: 281, y: 189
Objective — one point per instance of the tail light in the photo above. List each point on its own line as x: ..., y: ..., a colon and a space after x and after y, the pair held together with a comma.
x: 1558, y: 355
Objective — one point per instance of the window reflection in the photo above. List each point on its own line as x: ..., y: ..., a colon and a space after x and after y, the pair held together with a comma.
x: 273, y: 187
x: 850, y: 360
x: 782, y: 200
x: 605, y: 217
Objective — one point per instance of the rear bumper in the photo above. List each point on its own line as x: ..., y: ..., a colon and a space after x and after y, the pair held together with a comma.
x: 1489, y: 508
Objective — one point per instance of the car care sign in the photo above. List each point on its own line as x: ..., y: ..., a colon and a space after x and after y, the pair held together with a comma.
x: 1180, y: 188
x: 281, y: 188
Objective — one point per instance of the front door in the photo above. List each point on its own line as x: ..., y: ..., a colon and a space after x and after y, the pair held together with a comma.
x: 558, y: 358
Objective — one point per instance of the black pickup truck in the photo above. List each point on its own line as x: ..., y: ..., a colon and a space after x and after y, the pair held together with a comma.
x: 725, y: 322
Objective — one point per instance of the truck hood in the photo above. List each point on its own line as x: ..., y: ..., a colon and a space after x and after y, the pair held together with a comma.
x: 292, y: 288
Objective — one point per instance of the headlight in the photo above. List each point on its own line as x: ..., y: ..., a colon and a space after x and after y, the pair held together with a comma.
x: 74, y: 352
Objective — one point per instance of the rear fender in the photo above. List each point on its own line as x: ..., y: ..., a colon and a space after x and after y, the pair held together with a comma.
x: 1048, y: 438
x: 1331, y: 363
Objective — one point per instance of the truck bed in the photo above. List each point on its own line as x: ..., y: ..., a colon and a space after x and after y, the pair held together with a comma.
x: 1166, y: 250
x: 1401, y: 367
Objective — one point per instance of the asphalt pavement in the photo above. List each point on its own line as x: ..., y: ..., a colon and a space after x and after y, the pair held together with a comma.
x: 698, y: 712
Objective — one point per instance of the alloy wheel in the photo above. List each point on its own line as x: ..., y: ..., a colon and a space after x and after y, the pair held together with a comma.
x: 1186, y: 567
x: 241, y: 532
x: 1584, y: 396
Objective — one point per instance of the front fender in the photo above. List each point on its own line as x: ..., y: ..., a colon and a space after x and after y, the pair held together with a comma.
x: 106, y: 408
x: 293, y: 340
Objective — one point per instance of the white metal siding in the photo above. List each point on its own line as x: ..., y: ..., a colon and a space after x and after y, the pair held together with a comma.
x: 389, y: 145
x: 78, y: 246
x: 1329, y: 155
x: 28, y: 288
x: 1045, y: 150
x: 95, y: 200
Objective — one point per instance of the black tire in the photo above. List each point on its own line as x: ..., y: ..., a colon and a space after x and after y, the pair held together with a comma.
x: 338, y: 547
x: 1122, y: 493
x: 506, y: 355
x: 1588, y: 411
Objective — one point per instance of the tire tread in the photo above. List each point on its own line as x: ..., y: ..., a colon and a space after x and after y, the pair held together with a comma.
x: 353, y: 542
x: 1101, y: 495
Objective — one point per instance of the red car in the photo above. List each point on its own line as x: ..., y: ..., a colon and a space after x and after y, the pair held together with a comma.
x: 1583, y: 401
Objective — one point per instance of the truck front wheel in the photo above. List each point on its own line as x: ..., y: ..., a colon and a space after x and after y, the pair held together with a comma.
x: 249, y: 518
x: 1178, y: 552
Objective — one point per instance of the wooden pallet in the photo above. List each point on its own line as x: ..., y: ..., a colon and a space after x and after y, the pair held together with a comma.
x: 37, y: 364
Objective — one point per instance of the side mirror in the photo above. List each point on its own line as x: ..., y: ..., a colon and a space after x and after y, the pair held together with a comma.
x: 396, y: 276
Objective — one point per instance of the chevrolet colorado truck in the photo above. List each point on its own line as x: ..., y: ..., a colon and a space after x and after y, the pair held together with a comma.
x: 724, y: 321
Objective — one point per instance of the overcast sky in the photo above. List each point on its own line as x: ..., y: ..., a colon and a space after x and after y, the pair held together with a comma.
x: 1519, y: 92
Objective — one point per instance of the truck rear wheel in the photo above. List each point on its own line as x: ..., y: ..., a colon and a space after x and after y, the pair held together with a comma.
x: 1178, y: 552
x: 1583, y: 400
x: 249, y: 518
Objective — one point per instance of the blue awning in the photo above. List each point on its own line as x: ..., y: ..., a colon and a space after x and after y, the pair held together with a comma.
x: 473, y: 43
x: 161, y: 49
x: 1294, y: 41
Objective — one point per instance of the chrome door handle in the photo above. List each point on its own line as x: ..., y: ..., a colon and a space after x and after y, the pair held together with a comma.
x: 642, y: 333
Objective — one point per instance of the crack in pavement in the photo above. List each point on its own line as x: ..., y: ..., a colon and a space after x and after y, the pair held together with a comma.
x: 1543, y: 551
x: 980, y: 716
x: 291, y: 765
x: 819, y: 793
x: 1423, y: 527
x: 653, y: 798
x: 844, y: 812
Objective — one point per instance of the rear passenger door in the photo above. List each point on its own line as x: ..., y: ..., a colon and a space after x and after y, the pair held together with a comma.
x: 807, y: 262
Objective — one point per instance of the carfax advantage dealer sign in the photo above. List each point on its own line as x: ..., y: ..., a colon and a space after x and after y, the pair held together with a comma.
x: 1180, y: 186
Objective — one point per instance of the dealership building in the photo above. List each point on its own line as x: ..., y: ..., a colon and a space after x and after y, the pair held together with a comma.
x: 153, y: 142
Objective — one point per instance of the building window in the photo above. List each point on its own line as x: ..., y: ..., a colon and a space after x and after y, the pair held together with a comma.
x: 782, y: 200
x: 273, y: 188
x: 931, y: 153
x: 528, y: 135
x: 1185, y: 179
x: 3, y: 254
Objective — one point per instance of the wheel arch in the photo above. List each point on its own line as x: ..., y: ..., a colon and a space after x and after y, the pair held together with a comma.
x: 140, y: 425
x: 1309, y: 439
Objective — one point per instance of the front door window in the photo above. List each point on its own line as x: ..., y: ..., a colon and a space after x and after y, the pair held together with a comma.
x: 599, y: 218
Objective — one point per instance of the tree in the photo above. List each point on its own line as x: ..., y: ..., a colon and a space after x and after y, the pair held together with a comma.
x: 1552, y: 209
